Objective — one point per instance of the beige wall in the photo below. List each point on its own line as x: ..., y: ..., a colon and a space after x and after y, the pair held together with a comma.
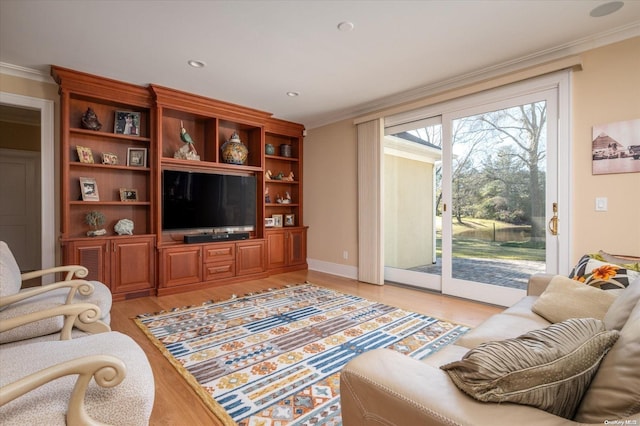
x: 606, y: 90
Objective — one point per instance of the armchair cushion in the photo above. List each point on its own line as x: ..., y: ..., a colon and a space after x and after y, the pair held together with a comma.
x: 128, y: 403
x: 101, y: 297
x: 549, y: 369
x: 10, y: 280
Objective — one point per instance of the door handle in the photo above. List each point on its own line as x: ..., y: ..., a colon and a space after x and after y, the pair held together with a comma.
x: 553, y: 222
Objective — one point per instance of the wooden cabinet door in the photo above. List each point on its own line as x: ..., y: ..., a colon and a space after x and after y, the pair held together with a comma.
x: 297, y: 247
x: 250, y: 257
x: 181, y: 265
x: 93, y: 255
x: 276, y: 254
x: 132, y: 264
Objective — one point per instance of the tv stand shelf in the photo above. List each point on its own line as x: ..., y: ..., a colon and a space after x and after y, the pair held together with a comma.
x: 164, y: 264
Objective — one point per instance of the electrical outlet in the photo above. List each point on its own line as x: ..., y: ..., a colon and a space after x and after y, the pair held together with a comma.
x: 345, y: 255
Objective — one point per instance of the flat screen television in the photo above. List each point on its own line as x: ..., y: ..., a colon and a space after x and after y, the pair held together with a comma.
x: 208, y: 202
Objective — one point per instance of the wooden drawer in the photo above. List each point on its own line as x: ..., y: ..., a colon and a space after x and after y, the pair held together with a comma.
x: 219, y: 253
x: 218, y: 270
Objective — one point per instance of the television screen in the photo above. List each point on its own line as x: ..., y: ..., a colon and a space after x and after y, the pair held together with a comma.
x: 207, y: 201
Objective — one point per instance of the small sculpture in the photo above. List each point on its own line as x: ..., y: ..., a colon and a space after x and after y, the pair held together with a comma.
x: 268, y: 175
x: 188, y: 150
x: 95, y: 220
x: 267, y: 197
x: 124, y: 227
x: 289, y: 178
x: 90, y: 120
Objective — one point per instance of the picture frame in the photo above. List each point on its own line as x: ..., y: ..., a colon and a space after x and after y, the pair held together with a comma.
x: 290, y: 220
x: 89, y: 189
x: 137, y: 157
x: 109, y: 158
x: 84, y: 154
x: 277, y: 220
x: 268, y: 222
x: 128, y: 194
x: 127, y: 123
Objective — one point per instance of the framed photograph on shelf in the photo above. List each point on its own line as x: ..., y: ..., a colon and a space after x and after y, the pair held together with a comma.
x: 289, y: 220
x: 89, y: 189
x: 127, y: 194
x: 109, y: 158
x: 127, y: 123
x: 84, y: 154
x: 277, y: 220
x: 268, y: 222
x: 137, y: 157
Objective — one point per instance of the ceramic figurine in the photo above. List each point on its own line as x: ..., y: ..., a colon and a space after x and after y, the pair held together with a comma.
x: 289, y: 178
x: 268, y: 175
x: 90, y: 120
x: 124, y: 227
x: 267, y: 197
x: 269, y: 149
x: 188, y: 150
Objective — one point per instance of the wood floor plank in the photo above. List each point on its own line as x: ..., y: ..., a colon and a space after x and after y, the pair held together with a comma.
x: 175, y: 401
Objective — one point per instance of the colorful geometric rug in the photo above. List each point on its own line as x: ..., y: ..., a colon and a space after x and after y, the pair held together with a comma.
x: 274, y: 358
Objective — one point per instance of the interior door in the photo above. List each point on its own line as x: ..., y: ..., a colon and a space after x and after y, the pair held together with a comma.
x: 500, y: 188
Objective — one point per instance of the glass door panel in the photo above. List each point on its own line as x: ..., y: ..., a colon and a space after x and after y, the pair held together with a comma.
x: 412, y: 194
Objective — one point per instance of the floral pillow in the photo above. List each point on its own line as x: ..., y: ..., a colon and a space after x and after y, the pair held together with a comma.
x: 604, y: 275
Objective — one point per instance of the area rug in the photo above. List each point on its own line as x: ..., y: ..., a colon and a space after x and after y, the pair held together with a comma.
x: 274, y: 358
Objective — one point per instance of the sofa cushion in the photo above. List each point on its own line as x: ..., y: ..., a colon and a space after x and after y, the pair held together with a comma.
x: 565, y: 298
x: 615, y: 390
x: 10, y: 277
x: 621, y: 308
x: 607, y: 276
x: 629, y: 262
x: 549, y: 369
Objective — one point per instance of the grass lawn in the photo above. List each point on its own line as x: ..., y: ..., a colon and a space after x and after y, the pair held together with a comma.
x: 473, y: 239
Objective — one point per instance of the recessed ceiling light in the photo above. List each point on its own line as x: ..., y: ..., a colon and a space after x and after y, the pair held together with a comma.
x: 345, y: 26
x: 293, y: 94
x: 196, y: 64
x: 606, y: 9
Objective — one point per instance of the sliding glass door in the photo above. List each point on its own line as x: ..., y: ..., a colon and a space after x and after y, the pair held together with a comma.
x: 470, y: 196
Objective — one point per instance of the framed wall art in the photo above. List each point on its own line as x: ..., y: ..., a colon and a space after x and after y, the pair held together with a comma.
x: 137, y: 157
x: 615, y: 147
x: 89, y: 189
x: 289, y: 220
x: 127, y: 123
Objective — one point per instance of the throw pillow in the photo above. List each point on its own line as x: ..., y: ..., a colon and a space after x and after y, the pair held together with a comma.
x: 549, y: 369
x: 607, y: 276
x: 618, y: 313
x: 629, y: 262
x: 565, y: 298
x: 10, y: 279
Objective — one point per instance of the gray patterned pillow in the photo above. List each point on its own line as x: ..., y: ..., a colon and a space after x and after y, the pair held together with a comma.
x: 549, y: 369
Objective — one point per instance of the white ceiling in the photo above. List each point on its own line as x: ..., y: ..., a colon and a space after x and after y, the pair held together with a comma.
x: 257, y: 50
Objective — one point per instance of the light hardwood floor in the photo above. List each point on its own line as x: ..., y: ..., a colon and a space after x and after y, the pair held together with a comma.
x: 177, y: 404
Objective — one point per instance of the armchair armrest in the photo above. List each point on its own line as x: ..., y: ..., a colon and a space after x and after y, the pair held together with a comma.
x: 71, y: 270
x: 385, y: 387
x: 108, y: 371
x: 83, y: 287
x: 86, y: 315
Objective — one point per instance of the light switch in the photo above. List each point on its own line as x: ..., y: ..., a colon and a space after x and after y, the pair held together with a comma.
x: 601, y: 204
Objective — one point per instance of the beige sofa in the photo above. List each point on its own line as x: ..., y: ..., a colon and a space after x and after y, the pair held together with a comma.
x: 383, y: 387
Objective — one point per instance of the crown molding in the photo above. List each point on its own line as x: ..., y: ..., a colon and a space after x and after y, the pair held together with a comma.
x: 24, y: 72
x: 559, y: 52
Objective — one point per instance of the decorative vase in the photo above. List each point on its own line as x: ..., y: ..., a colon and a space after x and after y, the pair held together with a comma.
x: 234, y: 151
x: 269, y: 149
x: 285, y: 150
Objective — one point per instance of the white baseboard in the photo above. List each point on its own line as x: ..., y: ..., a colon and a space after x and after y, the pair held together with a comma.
x: 333, y: 268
